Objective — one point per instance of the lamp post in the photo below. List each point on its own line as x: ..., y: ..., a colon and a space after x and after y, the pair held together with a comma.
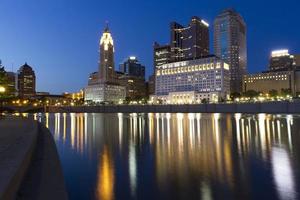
x: 2, y: 91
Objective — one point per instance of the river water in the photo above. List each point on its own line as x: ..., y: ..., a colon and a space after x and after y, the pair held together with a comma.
x: 178, y: 156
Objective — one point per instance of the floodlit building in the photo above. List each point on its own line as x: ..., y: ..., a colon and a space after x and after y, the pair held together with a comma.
x: 283, y: 74
x: 103, y: 85
x: 192, y: 81
x: 26, y: 81
x: 230, y: 44
x: 282, y: 60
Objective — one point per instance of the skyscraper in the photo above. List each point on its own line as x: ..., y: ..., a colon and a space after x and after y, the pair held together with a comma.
x: 102, y: 85
x: 190, y: 42
x: 26, y: 81
x: 230, y: 35
x: 132, y: 67
x: 106, y: 63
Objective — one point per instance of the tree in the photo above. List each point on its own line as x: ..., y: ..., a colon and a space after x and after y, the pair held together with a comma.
x: 251, y: 93
x: 286, y: 91
x: 235, y: 95
x: 3, y: 82
x: 273, y: 93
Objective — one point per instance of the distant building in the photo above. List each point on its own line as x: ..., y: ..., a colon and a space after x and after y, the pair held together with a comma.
x: 230, y: 44
x: 161, y: 54
x: 192, y: 81
x: 186, y: 43
x: 103, y: 85
x: 297, y: 60
x: 283, y: 74
x: 282, y: 60
x: 132, y: 67
x: 12, y: 83
x: 189, y: 42
x: 266, y: 81
x: 26, y: 81
x: 135, y: 86
x: 132, y: 77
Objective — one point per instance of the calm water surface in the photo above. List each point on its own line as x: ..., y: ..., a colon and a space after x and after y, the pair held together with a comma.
x: 178, y: 156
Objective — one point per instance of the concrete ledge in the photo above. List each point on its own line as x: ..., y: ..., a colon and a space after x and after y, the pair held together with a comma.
x: 268, y: 107
x: 44, y: 178
x: 29, y: 163
x: 17, y: 144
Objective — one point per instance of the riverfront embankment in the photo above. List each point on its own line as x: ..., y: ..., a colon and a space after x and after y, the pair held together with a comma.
x: 251, y: 108
x: 29, y: 162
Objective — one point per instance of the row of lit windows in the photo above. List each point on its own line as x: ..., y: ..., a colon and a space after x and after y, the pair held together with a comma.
x: 188, y: 69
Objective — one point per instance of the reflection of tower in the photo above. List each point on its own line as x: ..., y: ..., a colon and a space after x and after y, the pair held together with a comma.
x: 105, y: 185
x: 106, y: 64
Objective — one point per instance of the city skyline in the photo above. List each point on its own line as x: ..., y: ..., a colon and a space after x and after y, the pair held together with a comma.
x: 48, y: 51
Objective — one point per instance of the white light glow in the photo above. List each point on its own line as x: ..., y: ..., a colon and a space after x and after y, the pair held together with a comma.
x: 106, y: 40
x: 280, y: 53
x: 205, y: 23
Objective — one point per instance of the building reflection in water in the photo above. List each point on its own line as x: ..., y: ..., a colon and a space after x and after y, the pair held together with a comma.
x: 203, y: 152
x: 105, y: 182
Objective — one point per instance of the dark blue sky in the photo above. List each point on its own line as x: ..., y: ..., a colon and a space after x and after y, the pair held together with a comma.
x: 59, y: 38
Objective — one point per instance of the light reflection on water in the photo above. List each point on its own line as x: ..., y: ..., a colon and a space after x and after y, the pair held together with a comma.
x: 178, y: 156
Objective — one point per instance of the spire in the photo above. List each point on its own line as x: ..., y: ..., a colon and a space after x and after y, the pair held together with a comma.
x: 106, y: 30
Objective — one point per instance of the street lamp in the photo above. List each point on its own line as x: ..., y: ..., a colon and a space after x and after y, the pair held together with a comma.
x: 2, y: 89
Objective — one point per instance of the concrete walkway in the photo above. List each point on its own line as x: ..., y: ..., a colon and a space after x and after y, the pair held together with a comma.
x: 29, y: 163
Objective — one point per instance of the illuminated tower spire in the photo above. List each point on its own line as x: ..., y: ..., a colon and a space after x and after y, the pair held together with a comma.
x: 106, y: 64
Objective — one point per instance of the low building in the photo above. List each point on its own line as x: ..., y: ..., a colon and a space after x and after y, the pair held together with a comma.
x: 192, y: 81
x: 264, y: 82
x: 135, y: 86
x: 102, y: 93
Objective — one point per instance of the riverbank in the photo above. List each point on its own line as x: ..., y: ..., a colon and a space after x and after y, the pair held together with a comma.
x: 251, y: 108
x: 29, y: 162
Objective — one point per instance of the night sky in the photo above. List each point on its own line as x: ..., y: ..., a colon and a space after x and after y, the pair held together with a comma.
x: 59, y: 38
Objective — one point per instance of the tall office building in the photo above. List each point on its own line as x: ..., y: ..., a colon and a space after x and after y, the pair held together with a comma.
x: 132, y: 67
x: 106, y: 63
x: 282, y: 60
x: 102, y: 85
x: 132, y: 77
x: 26, y: 81
x: 161, y: 54
x: 190, y: 42
x: 11, y: 83
x: 230, y: 35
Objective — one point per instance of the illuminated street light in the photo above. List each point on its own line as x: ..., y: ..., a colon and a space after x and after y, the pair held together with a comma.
x: 2, y: 89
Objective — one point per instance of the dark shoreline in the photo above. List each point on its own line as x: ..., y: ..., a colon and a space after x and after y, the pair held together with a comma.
x: 251, y: 108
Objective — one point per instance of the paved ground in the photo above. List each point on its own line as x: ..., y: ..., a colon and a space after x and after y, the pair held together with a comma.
x: 29, y: 163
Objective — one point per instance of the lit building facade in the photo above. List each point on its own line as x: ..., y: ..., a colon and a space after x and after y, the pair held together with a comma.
x: 132, y: 67
x: 282, y: 60
x: 192, y: 81
x: 103, y: 85
x: 189, y: 42
x: 132, y: 77
x: 12, y: 83
x: 26, y: 81
x: 267, y: 81
x: 230, y: 44
x: 283, y: 74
